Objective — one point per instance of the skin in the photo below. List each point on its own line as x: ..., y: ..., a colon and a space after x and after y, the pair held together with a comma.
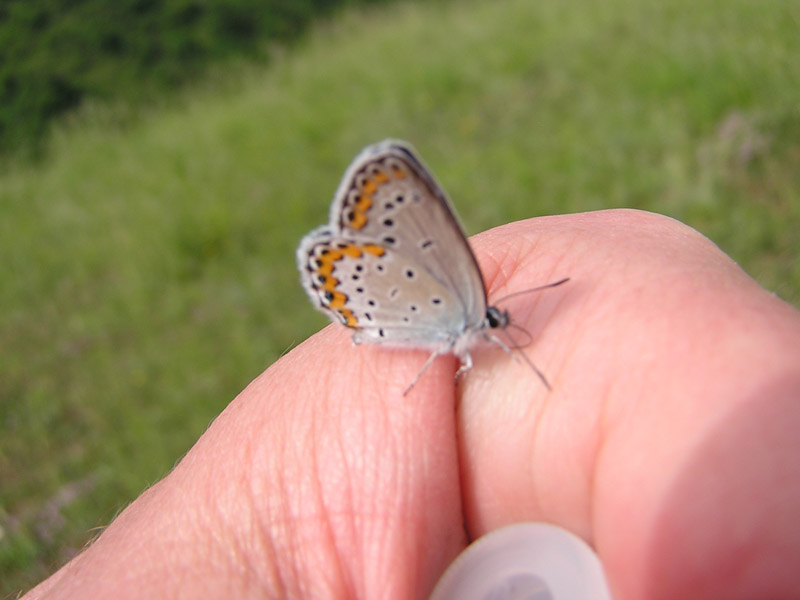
x: 669, y: 441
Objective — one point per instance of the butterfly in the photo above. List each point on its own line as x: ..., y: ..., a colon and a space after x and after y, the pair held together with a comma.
x: 393, y: 263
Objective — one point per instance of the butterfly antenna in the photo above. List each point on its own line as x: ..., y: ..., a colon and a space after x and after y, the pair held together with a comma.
x: 536, y: 289
x: 536, y: 370
x: 517, y: 345
x: 527, y: 360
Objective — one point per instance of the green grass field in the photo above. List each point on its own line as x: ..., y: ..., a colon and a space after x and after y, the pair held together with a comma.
x: 148, y: 262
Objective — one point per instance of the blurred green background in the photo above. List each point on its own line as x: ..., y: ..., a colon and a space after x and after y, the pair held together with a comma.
x: 150, y: 216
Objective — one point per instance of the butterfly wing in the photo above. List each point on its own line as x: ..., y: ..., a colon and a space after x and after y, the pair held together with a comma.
x: 394, y: 263
x: 389, y: 196
x: 385, y: 297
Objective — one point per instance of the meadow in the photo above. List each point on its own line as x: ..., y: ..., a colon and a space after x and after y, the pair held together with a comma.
x: 148, y: 270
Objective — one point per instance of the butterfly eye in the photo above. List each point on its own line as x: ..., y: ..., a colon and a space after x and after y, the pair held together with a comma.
x: 495, y: 318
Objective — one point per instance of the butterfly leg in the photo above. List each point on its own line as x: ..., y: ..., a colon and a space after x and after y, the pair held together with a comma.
x: 496, y: 340
x: 424, y: 368
x: 466, y: 364
x: 504, y: 346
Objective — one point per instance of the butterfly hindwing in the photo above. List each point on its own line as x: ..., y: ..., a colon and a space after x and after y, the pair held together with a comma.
x: 383, y: 295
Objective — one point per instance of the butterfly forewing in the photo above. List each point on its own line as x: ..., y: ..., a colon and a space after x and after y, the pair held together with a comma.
x: 387, y: 195
x: 393, y: 263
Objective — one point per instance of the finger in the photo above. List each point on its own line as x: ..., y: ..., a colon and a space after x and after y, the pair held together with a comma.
x: 370, y: 500
x: 661, y: 337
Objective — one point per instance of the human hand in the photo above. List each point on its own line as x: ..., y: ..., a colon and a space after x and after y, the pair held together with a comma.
x: 669, y: 440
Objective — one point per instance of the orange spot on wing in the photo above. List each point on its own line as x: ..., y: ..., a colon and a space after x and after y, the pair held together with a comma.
x: 374, y: 249
x: 339, y: 301
x: 358, y: 221
x: 352, y: 251
x: 369, y: 187
x: 330, y: 284
x: 350, y: 320
x: 332, y: 256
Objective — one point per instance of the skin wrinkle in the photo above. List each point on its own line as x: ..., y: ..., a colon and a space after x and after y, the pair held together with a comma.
x: 328, y: 519
x: 600, y: 450
x: 213, y: 521
x: 374, y: 475
x: 557, y: 306
x: 406, y: 497
x: 509, y: 267
x: 538, y: 501
x: 548, y: 466
x: 383, y: 534
x: 593, y: 443
x: 506, y: 257
x: 218, y: 514
x: 257, y: 535
x: 505, y: 274
x: 417, y: 482
x: 271, y: 579
x: 296, y: 499
x: 350, y: 483
x: 500, y: 263
x: 272, y: 524
x: 503, y: 265
x: 288, y: 550
x: 593, y: 475
x: 238, y: 561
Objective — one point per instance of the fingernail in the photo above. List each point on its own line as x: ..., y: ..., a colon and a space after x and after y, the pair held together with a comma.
x: 525, y: 561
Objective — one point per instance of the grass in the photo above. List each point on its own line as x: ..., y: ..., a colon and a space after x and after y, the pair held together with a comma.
x: 148, y: 261
x: 59, y: 54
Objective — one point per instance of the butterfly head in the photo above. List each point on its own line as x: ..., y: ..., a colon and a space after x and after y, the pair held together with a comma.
x: 496, y: 318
